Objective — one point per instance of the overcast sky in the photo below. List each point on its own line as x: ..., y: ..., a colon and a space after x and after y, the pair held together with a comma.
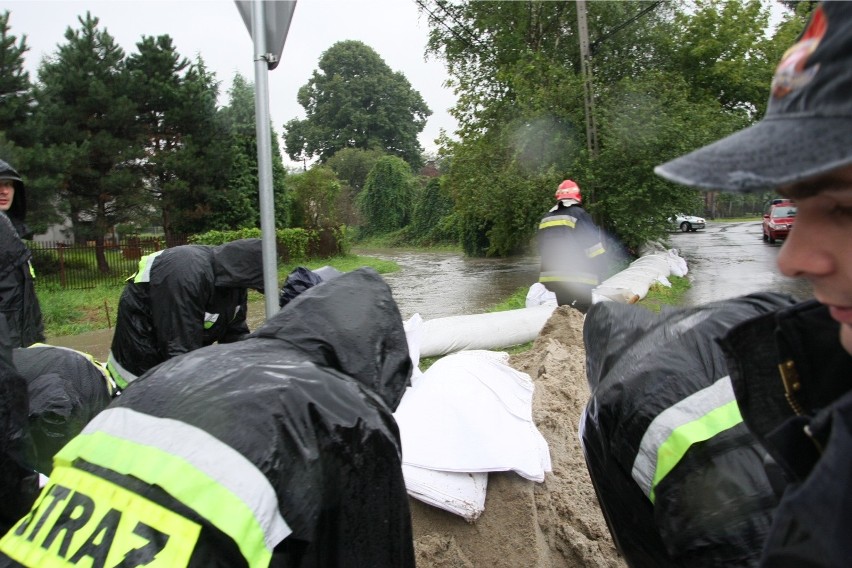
x: 215, y: 30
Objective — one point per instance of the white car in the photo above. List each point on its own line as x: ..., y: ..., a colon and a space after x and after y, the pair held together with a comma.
x: 688, y: 223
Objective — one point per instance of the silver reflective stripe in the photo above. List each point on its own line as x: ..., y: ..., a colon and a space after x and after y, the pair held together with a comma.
x: 690, y: 409
x: 144, y: 272
x: 121, y: 375
x: 206, y: 453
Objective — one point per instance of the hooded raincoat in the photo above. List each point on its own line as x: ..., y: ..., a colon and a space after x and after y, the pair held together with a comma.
x: 18, y: 300
x: 680, y: 477
x: 180, y: 299
x: 279, y: 450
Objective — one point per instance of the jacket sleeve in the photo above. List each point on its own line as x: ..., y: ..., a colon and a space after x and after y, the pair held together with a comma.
x: 238, y: 327
x: 179, y: 289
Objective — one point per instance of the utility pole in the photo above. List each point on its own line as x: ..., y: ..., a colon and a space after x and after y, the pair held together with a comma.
x: 586, y: 69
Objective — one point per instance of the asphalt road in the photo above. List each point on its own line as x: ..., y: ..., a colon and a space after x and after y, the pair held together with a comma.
x: 730, y: 259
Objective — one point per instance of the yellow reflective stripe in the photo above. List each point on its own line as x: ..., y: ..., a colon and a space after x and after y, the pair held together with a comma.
x: 595, y: 250
x: 81, y: 519
x: 32, y: 270
x: 674, y: 429
x: 573, y: 279
x: 122, y: 376
x: 678, y: 443
x: 143, y: 273
x: 193, y: 467
x: 557, y: 223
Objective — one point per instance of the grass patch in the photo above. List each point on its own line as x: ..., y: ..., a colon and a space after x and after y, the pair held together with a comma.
x: 737, y: 219
x: 659, y: 295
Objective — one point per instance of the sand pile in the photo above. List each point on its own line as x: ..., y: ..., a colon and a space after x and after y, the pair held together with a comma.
x: 526, y: 524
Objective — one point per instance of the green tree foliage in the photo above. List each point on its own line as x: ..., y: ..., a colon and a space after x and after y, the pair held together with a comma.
x: 387, y: 199
x: 15, y: 88
x: 315, y: 198
x: 184, y: 139
x: 666, y: 80
x: 238, y: 204
x: 432, y: 220
x: 352, y: 165
x: 87, y: 125
x: 354, y: 100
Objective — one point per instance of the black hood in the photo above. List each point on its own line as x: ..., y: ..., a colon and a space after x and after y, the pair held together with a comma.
x: 18, y: 210
x: 239, y: 264
x: 351, y: 324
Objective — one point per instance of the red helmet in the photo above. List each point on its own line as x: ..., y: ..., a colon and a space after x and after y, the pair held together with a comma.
x: 568, y: 189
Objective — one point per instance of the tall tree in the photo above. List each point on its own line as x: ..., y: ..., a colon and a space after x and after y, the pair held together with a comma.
x: 15, y: 88
x: 522, y: 119
x: 388, y: 198
x: 315, y: 198
x: 354, y: 100
x: 184, y: 139
x: 241, y: 192
x: 87, y: 123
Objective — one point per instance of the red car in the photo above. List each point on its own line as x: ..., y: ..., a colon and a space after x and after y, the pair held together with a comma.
x: 778, y: 222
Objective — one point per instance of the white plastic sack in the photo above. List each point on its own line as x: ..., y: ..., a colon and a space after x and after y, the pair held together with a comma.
x: 538, y: 294
x: 460, y: 493
x: 472, y: 412
x: 496, y: 330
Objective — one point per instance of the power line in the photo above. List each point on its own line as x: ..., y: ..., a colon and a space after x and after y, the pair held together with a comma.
x: 624, y: 24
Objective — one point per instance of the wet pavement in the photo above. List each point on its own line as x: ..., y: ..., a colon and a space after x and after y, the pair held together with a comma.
x: 730, y: 259
x: 724, y: 260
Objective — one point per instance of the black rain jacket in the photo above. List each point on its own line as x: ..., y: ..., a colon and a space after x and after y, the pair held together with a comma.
x: 18, y: 300
x: 181, y: 299
x: 679, y: 476
x: 792, y: 378
x: 66, y: 389
x: 296, y: 419
x: 18, y: 483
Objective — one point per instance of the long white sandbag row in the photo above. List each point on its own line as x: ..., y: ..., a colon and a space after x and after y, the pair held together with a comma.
x: 499, y: 330
x: 495, y: 330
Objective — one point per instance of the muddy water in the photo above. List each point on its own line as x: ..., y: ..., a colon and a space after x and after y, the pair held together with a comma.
x: 433, y: 284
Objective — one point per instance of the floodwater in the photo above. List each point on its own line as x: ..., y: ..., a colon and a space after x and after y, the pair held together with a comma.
x: 432, y: 284
x: 724, y: 260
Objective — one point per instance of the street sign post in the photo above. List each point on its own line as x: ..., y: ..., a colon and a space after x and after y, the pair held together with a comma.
x: 268, y: 22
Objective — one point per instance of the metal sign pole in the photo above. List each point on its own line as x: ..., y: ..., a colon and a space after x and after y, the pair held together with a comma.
x: 264, y: 161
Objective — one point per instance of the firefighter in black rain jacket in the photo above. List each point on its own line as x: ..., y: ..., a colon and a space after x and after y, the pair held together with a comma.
x: 18, y: 300
x: 571, y: 250
x: 180, y: 299
x: 278, y: 450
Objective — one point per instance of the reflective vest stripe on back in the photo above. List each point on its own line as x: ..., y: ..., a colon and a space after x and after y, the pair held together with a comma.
x: 558, y: 221
x: 143, y: 273
x: 697, y: 418
x: 192, y: 466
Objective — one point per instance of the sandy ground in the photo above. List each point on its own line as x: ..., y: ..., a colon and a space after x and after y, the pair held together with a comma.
x: 557, y: 523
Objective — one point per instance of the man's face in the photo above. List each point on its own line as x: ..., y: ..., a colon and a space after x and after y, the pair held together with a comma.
x: 7, y: 194
x: 819, y: 247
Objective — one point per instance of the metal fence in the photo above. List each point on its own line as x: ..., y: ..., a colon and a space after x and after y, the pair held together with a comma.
x: 76, y: 266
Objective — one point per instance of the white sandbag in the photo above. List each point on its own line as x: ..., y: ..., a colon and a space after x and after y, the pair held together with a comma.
x: 472, y: 412
x: 632, y: 284
x: 460, y: 493
x: 538, y: 294
x: 496, y: 330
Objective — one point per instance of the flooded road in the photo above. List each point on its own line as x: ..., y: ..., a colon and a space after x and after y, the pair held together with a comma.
x: 724, y: 260
x: 731, y: 259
